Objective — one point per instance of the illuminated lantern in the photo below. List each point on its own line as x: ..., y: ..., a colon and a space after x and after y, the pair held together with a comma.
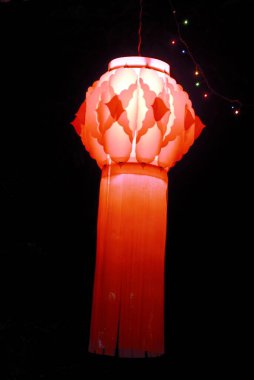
x: 136, y: 121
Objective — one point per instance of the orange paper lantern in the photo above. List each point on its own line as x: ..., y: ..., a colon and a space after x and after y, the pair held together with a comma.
x: 136, y: 121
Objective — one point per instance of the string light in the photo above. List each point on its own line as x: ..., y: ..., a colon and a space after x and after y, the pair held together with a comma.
x: 173, y: 42
x: 235, y: 109
x: 199, y: 72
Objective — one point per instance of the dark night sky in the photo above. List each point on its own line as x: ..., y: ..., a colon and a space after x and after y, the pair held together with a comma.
x: 51, y: 51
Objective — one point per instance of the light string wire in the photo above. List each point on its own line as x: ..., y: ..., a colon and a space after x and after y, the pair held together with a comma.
x: 199, y: 68
x: 140, y: 26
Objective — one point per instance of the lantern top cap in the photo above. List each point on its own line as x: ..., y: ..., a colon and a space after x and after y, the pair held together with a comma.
x: 137, y: 61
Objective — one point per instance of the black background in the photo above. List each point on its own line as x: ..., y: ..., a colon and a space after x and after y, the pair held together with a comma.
x: 51, y: 51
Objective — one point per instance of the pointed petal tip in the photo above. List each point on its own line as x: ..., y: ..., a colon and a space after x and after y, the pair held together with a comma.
x: 199, y: 126
x: 77, y: 125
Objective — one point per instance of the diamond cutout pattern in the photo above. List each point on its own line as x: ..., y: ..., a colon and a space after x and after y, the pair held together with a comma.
x: 159, y: 109
x: 115, y: 107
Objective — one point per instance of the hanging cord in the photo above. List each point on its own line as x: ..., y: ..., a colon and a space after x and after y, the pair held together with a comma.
x: 140, y: 26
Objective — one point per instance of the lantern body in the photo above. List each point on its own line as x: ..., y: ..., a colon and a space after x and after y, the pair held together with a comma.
x: 136, y: 122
